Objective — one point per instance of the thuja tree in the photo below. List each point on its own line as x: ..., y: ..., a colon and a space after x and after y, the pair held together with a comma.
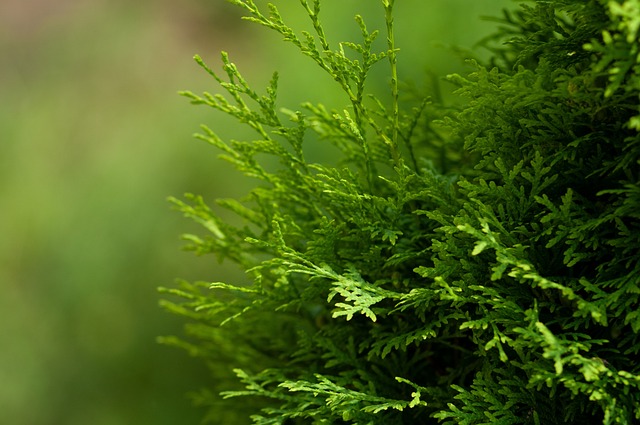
x: 477, y: 265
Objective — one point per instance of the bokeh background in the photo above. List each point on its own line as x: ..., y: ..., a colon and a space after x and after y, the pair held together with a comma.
x: 93, y: 138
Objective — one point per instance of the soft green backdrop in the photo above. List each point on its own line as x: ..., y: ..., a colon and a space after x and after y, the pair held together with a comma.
x: 93, y: 138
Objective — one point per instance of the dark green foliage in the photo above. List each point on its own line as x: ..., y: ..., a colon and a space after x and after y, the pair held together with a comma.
x: 480, y: 266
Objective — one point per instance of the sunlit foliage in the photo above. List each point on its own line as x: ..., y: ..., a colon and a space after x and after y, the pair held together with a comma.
x: 478, y: 265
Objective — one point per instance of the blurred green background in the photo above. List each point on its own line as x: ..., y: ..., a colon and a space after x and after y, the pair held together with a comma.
x: 93, y: 138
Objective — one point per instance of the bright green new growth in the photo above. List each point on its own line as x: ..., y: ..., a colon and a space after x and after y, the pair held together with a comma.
x: 486, y: 274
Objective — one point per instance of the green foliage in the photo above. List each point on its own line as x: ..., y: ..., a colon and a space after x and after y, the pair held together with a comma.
x: 476, y: 266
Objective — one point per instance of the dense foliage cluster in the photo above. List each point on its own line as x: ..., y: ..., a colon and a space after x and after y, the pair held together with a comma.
x: 470, y: 266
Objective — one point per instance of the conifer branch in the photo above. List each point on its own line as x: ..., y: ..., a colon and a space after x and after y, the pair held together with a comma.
x: 502, y: 288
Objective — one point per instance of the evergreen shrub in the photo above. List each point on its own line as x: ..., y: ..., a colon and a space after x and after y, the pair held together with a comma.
x: 469, y: 265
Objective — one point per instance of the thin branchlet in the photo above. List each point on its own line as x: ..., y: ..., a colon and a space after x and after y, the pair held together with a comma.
x: 395, y: 108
